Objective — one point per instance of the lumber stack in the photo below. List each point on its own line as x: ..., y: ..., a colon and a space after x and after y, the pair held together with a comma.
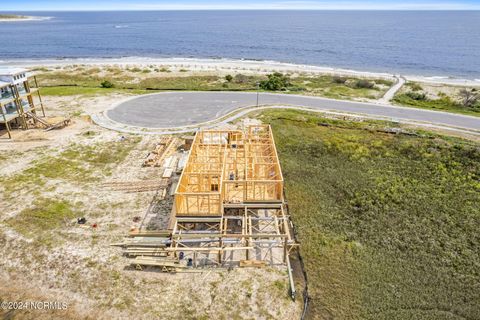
x: 166, y: 264
x: 149, y: 233
x: 144, y: 242
x: 162, y: 150
x: 149, y: 248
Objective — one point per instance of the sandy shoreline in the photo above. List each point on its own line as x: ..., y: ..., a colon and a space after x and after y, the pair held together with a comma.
x: 26, y: 18
x: 198, y: 64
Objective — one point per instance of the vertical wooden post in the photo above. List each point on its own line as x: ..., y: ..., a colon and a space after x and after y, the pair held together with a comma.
x: 6, y: 122
x: 8, y: 128
x: 39, y: 96
x: 29, y: 97
x: 19, y: 106
x: 223, y: 230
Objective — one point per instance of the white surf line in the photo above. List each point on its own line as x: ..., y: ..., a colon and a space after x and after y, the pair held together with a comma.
x: 233, y: 65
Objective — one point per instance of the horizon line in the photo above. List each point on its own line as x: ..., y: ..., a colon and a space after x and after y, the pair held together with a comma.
x: 239, y: 9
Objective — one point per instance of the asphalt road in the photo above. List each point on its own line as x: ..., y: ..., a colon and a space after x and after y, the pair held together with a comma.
x: 177, y: 109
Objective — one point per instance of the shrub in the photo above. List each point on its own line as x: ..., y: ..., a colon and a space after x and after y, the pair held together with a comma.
x: 296, y: 88
x: 469, y: 98
x: 339, y: 80
x: 419, y: 96
x: 415, y: 86
x: 229, y: 78
x: 276, y: 81
x: 241, y: 78
x: 107, y: 84
x: 364, y: 84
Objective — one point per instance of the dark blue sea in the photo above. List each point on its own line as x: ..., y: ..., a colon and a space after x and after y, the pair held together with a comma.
x: 440, y: 43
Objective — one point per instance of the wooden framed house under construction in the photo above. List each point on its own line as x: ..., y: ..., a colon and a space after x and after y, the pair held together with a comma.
x: 228, y: 211
x: 18, y: 101
x: 229, y: 202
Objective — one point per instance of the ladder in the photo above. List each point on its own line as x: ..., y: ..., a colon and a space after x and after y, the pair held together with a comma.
x: 48, y: 126
x: 36, y: 118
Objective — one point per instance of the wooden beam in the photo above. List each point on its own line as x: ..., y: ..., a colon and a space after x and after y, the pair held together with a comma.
x: 207, y: 249
x: 230, y: 235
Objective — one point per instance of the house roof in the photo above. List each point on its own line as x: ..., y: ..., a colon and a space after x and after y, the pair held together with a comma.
x: 9, y: 71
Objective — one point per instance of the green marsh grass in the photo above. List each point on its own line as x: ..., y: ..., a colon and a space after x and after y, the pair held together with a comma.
x: 388, y: 223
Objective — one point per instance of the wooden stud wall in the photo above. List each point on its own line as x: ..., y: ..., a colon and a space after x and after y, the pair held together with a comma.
x: 229, y: 167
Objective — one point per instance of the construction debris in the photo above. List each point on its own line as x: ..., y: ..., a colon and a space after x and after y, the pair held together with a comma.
x: 49, y: 123
x: 167, y: 173
x: 167, y: 265
x: 166, y: 147
x: 252, y: 263
x: 170, y: 162
x: 188, y: 141
x: 182, y: 162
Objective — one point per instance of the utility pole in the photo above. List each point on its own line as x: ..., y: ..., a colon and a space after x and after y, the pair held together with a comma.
x: 258, y: 91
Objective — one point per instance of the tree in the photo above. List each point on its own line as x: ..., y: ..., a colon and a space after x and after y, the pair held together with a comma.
x: 469, y: 97
x: 229, y: 78
x: 276, y: 81
x: 107, y: 84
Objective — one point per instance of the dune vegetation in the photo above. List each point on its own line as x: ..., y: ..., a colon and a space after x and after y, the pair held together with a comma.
x: 442, y: 98
x: 97, y: 80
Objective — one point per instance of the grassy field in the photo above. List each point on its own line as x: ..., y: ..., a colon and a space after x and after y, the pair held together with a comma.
x: 87, y: 81
x: 425, y: 97
x: 388, y: 223
x: 77, y: 163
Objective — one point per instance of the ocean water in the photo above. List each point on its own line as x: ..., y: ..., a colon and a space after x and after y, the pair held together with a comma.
x: 413, y: 43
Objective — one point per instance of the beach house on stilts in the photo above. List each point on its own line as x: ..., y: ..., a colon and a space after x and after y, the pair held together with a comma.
x: 19, y: 102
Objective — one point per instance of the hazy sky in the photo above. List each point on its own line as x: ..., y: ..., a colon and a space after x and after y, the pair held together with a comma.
x: 47, y: 5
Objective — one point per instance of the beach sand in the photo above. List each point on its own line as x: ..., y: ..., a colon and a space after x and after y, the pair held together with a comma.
x: 246, y: 66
